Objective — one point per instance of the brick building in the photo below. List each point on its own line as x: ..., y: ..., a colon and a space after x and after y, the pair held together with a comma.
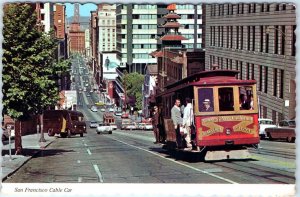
x: 258, y: 39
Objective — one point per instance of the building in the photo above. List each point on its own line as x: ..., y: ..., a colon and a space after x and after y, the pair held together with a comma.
x: 139, y: 27
x: 77, y: 38
x: 107, y: 27
x: 45, y: 15
x: 94, y: 52
x: 87, y: 42
x: 258, y: 39
x: 59, y: 17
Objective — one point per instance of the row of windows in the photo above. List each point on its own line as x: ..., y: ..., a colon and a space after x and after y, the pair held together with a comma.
x: 144, y: 16
x: 252, y: 35
x: 141, y: 56
x: 145, y: 6
x: 185, y: 7
x: 108, y: 22
x: 249, y: 69
x: 243, y: 8
x: 190, y: 16
x: 143, y: 36
x: 144, y: 26
x: 144, y: 46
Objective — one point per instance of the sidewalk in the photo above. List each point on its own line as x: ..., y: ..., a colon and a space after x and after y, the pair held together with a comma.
x: 31, y: 146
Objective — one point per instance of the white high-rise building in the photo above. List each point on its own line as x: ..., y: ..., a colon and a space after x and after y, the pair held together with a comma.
x: 107, y: 27
x: 47, y: 16
x: 87, y: 42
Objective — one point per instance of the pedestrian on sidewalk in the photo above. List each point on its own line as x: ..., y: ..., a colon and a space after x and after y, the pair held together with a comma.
x: 155, y: 122
x: 177, y: 121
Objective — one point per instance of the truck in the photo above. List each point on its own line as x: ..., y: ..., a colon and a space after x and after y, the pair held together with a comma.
x: 63, y: 122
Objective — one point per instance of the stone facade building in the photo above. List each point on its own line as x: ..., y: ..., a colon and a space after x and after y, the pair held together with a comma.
x: 258, y: 39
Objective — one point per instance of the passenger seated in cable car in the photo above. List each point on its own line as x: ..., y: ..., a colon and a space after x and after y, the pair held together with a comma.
x: 206, y: 106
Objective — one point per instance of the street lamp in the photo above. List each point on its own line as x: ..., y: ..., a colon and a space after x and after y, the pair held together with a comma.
x: 284, y: 67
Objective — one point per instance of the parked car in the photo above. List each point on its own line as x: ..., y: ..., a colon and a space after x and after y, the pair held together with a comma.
x: 285, y: 130
x: 118, y: 113
x: 263, y: 124
x: 94, y: 108
x: 104, y: 128
x: 111, y: 110
x: 100, y: 103
x: 102, y: 110
x: 131, y: 127
x: 141, y: 126
x: 125, y: 115
x: 148, y: 127
x: 93, y: 124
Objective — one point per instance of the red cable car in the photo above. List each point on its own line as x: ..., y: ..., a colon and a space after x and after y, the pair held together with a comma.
x: 225, y: 113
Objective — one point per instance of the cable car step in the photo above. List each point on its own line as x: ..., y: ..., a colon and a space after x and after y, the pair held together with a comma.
x: 232, y: 154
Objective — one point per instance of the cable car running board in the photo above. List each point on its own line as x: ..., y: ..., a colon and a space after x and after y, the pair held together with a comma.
x: 232, y: 154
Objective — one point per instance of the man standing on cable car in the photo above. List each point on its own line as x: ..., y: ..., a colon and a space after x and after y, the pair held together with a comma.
x: 187, y: 121
x: 177, y: 121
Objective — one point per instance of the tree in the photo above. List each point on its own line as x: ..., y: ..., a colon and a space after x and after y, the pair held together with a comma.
x: 133, y: 83
x: 28, y: 65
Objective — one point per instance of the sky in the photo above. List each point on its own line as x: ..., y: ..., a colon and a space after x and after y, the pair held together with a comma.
x: 84, y: 10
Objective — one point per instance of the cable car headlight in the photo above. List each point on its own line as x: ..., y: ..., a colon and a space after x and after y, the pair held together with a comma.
x: 228, y: 131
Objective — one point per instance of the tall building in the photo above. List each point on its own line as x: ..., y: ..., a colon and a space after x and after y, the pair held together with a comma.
x: 107, y: 27
x: 59, y: 21
x: 258, y: 39
x: 76, y: 35
x: 87, y: 42
x: 139, y: 27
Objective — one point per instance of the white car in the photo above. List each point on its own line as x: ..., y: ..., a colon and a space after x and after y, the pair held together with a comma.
x: 93, y: 124
x: 104, y: 128
x: 118, y: 113
x: 102, y: 110
x: 131, y: 127
x: 148, y: 127
x: 263, y: 124
x: 94, y: 109
x: 111, y: 110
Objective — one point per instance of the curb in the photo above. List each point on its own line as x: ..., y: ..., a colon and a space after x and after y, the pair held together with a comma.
x: 29, y: 158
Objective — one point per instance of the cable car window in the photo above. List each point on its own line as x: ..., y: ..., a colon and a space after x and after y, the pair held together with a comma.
x: 246, y: 100
x: 206, y: 103
x: 226, y: 100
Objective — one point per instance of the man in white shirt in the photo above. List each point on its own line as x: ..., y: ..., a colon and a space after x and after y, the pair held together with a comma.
x: 177, y: 121
x: 188, y: 118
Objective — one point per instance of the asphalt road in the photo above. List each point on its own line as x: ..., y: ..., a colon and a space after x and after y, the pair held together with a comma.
x: 131, y: 157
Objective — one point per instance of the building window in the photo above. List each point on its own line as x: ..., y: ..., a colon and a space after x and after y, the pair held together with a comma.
x: 242, y: 37
x: 199, y: 16
x: 248, y: 37
x: 227, y: 37
x: 42, y: 17
x: 266, y: 79
x: 231, y: 36
x: 222, y: 29
x: 293, y: 40
x: 219, y: 43
x: 230, y: 64
x: 276, y: 40
x: 281, y: 83
x: 237, y: 37
x: 267, y: 43
x: 274, y: 116
x: 211, y: 36
x: 274, y: 81
x: 260, y: 78
x: 283, y: 6
x: 254, y: 7
x: 241, y: 70
x: 262, y: 7
x: 247, y: 71
x: 253, y: 38
x: 261, y: 38
x: 268, y: 7
x: 42, y: 5
x: 283, y: 40
x: 277, y: 7
x: 252, y: 71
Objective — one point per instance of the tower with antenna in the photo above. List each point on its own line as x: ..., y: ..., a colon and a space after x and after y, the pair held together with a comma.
x: 76, y: 13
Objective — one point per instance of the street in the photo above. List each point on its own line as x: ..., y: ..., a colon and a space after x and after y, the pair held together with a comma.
x: 131, y: 157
